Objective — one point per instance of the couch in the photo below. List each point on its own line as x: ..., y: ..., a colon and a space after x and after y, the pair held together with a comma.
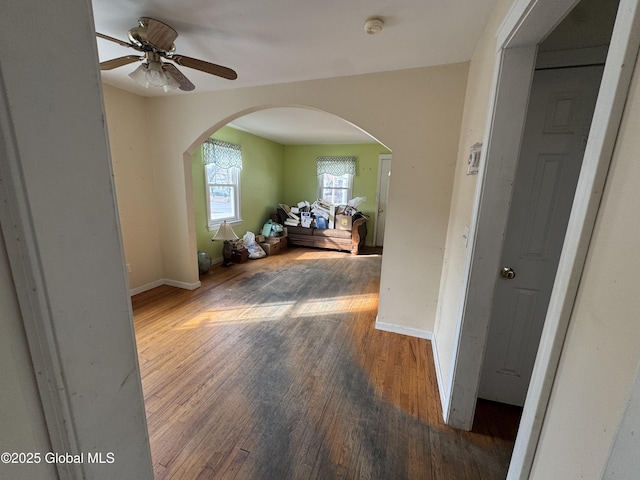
x: 331, y: 238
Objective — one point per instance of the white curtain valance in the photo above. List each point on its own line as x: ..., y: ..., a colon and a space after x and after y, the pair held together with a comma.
x: 221, y: 154
x: 337, y: 166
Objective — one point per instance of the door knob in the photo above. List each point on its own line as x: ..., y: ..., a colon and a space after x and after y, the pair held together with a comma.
x: 507, y: 272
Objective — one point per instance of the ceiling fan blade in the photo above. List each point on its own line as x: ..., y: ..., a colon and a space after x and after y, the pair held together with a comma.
x: 203, y: 66
x: 115, y: 40
x: 160, y: 35
x: 119, y: 62
x: 184, y: 82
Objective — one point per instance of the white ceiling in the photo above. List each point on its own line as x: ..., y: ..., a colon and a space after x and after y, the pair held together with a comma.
x: 301, y: 126
x: 284, y: 41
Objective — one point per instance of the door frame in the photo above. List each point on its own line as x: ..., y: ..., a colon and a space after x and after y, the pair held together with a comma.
x: 526, y: 24
x: 382, y: 157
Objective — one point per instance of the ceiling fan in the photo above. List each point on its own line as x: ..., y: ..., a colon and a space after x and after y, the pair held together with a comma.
x: 155, y: 40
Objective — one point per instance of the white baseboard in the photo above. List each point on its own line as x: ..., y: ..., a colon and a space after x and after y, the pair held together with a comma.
x: 444, y: 392
x: 163, y: 281
x: 186, y: 286
x: 412, y: 332
x: 144, y: 288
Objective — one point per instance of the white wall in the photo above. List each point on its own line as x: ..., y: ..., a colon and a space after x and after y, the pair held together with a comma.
x: 22, y: 419
x: 416, y: 113
x: 464, y: 187
x: 602, y: 348
x: 60, y: 226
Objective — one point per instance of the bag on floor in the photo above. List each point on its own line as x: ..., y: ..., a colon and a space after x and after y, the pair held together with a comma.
x: 255, y: 250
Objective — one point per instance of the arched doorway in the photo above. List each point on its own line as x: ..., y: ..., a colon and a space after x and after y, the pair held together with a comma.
x: 279, y: 148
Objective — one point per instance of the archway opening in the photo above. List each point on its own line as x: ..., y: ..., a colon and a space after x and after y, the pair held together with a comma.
x: 280, y: 147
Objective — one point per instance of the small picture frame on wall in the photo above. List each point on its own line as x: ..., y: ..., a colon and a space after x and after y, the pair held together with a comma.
x: 474, y: 159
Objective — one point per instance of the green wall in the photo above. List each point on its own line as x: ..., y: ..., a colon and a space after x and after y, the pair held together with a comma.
x: 261, y: 186
x: 300, y: 180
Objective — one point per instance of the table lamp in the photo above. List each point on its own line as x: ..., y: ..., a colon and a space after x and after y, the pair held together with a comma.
x: 226, y: 234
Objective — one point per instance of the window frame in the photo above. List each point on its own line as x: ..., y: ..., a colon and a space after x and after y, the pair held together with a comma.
x: 214, y: 224
x: 322, y: 187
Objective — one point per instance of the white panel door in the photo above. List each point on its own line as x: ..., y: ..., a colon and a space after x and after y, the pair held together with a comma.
x: 557, y: 126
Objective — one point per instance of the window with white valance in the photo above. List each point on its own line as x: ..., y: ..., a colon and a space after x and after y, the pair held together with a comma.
x: 335, y: 179
x: 222, y: 164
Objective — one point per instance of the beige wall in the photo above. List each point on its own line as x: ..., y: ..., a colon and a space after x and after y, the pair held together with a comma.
x: 417, y: 113
x: 464, y: 187
x: 602, y: 348
x: 134, y: 178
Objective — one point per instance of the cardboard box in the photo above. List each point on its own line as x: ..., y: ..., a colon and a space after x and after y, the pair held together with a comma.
x: 344, y: 222
x: 272, y: 246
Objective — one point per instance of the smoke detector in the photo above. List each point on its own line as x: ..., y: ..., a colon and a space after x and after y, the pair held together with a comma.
x: 373, y: 25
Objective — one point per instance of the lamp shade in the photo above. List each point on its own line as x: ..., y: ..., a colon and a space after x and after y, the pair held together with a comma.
x: 140, y: 75
x: 153, y: 74
x: 225, y: 233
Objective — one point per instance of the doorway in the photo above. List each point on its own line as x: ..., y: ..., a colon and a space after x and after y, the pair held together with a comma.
x: 384, y: 175
x: 526, y: 25
x: 557, y: 126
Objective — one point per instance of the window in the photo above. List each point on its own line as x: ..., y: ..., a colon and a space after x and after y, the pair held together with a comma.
x: 335, y: 189
x: 222, y: 165
x: 335, y: 179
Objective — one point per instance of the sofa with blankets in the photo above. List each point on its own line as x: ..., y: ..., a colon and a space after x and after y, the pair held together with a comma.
x: 348, y: 236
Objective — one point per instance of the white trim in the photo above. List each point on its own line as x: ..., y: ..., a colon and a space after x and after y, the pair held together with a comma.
x: 17, y: 226
x: 442, y: 387
x: 144, y: 288
x: 236, y: 174
x: 184, y: 285
x: 320, y: 186
x: 573, y: 57
x: 73, y: 301
x: 381, y: 158
x: 402, y: 330
x: 165, y: 281
x: 513, y: 74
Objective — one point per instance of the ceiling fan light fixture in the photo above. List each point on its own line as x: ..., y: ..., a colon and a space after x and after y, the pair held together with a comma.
x: 155, y: 40
x: 140, y: 75
x: 155, y: 75
x: 171, y: 84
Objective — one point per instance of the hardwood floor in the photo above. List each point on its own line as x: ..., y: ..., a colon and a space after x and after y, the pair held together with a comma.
x: 273, y: 370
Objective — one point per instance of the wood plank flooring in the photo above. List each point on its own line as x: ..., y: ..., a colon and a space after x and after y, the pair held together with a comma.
x: 273, y: 370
